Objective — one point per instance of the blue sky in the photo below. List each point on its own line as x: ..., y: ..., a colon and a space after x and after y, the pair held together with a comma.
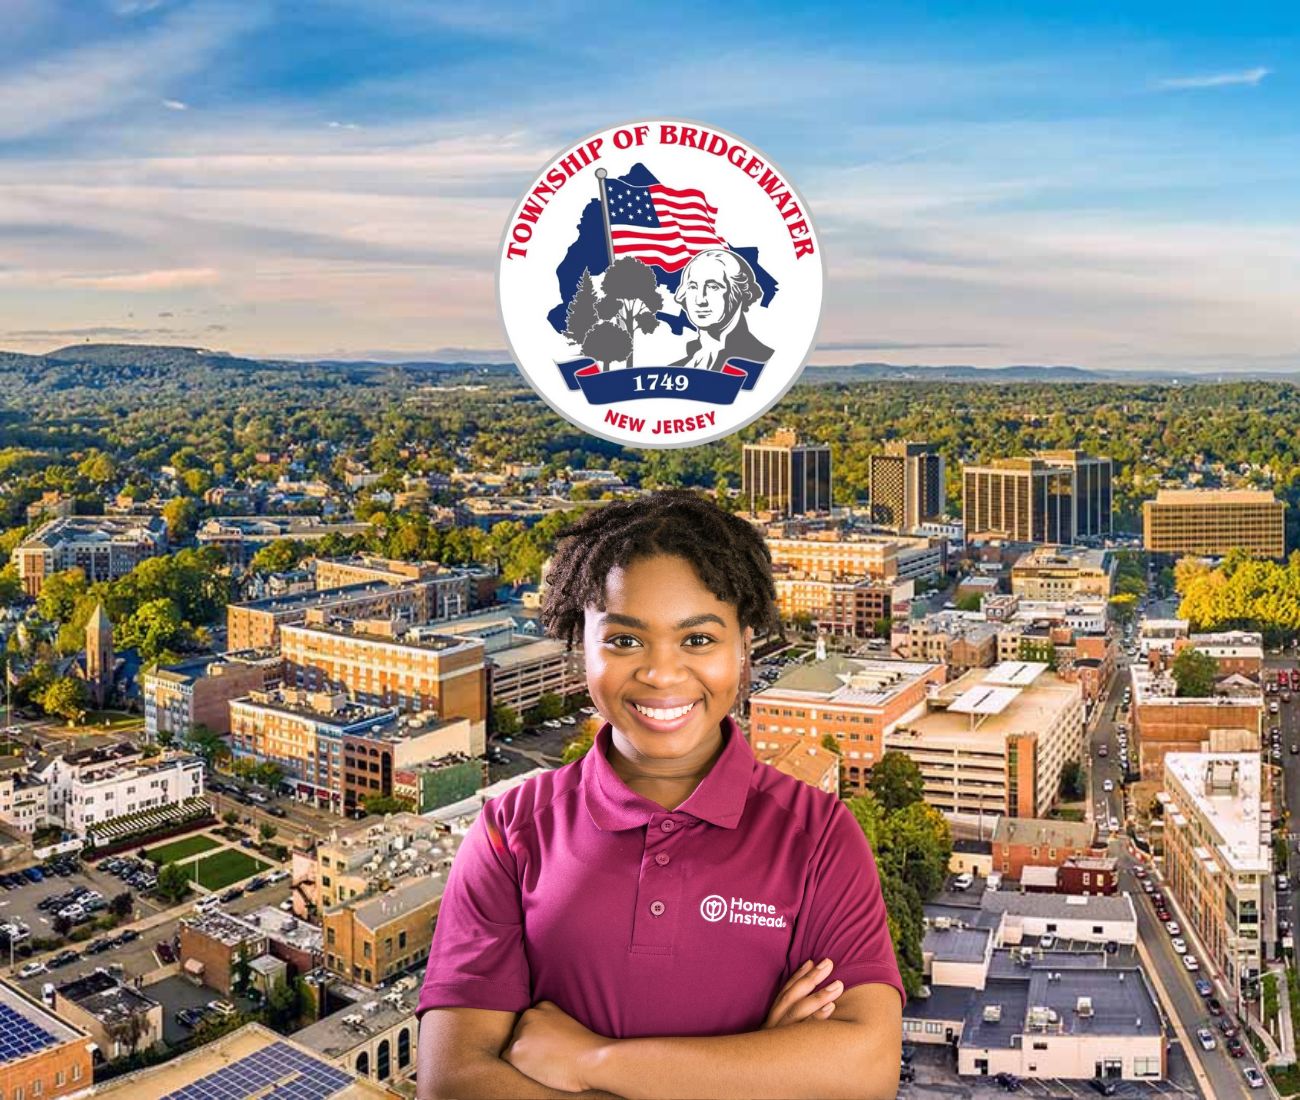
x: 993, y: 182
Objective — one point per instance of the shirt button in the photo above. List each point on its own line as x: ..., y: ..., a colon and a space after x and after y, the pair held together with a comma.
x: 657, y: 908
x: 669, y: 825
x: 661, y: 858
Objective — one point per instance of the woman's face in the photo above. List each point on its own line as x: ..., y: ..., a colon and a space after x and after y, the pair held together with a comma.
x: 664, y: 657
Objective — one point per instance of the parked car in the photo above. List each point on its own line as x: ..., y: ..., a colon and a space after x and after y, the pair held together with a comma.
x: 1179, y: 945
x: 128, y: 935
x: 568, y: 720
x: 222, y: 1009
x: 255, y: 883
x: 1047, y: 942
x: 231, y: 894
x: 190, y: 1017
x: 164, y: 951
x: 1103, y: 1086
x: 63, y: 958
x: 964, y: 881
x: 1108, y: 786
x: 31, y: 969
x: 1171, y: 926
x: 277, y: 876
x: 98, y: 947
x: 276, y: 811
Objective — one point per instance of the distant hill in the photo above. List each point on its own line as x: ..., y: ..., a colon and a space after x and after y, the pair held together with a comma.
x: 103, y: 364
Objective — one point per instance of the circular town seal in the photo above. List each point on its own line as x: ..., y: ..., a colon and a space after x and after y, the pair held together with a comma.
x: 660, y: 283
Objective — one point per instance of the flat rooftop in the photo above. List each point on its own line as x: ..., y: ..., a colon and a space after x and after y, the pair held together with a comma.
x: 1116, y: 907
x: 302, y: 601
x: 956, y: 944
x: 1201, y: 497
x: 1160, y: 688
x: 105, y: 998
x: 252, y: 1063
x: 225, y: 929
x: 990, y: 712
x: 840, y: 679
x: 333, y: 1038
x: 426, y: 638
x: 1225, y: 788
x: 27, y: 1027
x: 377, y: 911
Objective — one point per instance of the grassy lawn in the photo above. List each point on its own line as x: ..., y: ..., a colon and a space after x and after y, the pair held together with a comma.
x: 114, y: 720
x: 223, y: 868
x: 180, y: 849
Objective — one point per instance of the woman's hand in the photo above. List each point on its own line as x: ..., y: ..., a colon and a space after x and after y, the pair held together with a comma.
x: 799, y: 998
x: 551, y: 1047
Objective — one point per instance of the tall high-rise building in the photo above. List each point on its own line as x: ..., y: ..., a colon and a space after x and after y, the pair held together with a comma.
x: 906, y: 485
x: 1053, y: 496
x: 1092, y: 490
x: 1021, y: 499
x: 793, y: 477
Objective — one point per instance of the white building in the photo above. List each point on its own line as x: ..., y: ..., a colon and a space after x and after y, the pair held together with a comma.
x: 1084, y: 918
x: 1160, y: 634
x: 85, y: 789
x: 1218, y: 854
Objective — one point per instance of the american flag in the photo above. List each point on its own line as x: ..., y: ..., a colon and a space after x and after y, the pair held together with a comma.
x: 659, y: 225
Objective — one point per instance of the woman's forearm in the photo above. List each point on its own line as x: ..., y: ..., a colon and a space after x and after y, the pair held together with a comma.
x: 485, y: 1077
x: 813, y: 1058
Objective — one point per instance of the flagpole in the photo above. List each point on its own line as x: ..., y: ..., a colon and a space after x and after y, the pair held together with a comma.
x: 601, y: 173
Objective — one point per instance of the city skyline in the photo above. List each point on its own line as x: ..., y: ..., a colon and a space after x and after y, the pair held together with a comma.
x: 992, y: 187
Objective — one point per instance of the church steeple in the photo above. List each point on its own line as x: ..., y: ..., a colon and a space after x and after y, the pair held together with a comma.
x: 99, y: 656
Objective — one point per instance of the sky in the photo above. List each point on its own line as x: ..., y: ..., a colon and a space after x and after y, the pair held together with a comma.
x: 1108, y: 185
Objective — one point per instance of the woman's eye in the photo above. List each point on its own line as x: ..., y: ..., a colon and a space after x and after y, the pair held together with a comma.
x: 700, y: 639
x: 620, y: 638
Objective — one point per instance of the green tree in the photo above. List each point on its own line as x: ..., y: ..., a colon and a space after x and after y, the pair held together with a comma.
x: 969, y: 602
x: 180, y: 514
x: 122, y: 905
x: 230, y: 817
x: 278, y: 556
x: 173, y: 882
x: 241, y: 970
x: 1194, y: 672
x: 831, y: 745
x: 549, y: 706
x: 266, y: 831
x: 581, y: 744
x: 59, y: 595
x: 268, y: 773
x: 65, y: 697
x: 283, y: 1006
x: 165, y: 738
x: 896, y: 781
x: 918, y: 846
x: 505, y: 720
x: 1124, y: 607
x: 1073, y: 780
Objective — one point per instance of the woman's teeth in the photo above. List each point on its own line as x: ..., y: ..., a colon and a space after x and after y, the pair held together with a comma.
x: 663, y: 715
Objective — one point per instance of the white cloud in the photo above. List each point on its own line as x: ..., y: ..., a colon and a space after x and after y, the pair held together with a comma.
x: 1250, y: 77
x: 173, y: 279
x: 175, y: 105
x: 96, y: 81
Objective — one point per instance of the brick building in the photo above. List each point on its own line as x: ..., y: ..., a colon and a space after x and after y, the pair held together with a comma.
x: 102, y: 547
x: 179, y: 697
x: 59, y: 1060
x: 1020, y: 842
x: 215, y: 942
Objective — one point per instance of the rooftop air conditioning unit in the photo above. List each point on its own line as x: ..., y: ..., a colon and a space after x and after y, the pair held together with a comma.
x: 353, y: 1019
x: 992, y: 1014
x: 943, y: 923
x: 1083, y: 1006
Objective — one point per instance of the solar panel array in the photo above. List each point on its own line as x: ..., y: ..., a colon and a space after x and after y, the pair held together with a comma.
x: 20, y: 1037
x: 277, y: 1072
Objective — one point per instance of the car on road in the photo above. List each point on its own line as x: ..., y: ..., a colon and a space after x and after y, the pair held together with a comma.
x: 1179, y: 945
x: 1204, y: 987
x: 1235, y: 1046
x: 1229, y: 1029
x: 1206, y: 1038
x: 1103, y: 751
x: 255, y: 883
x: 1254, y: 1078
x: 1108, y: 786
x: 1215, y: 1006
x: 1191, y: 962
x: 276, y: 811
x: 1171, y: 926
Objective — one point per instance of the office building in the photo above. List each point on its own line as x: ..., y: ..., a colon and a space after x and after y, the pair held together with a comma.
x: 907, y: 485
x: 1211, y: 522
x: 334, y: 753
x: 781, y: 474
x: 854, y: 608
x: 102, y: 547
x: 385, y: 663
x: 835, y: 554
x: 1219, y: 855
x: 995, y: 740
x: 373, y: 939
x: 1063, y: 573
x: 1092, y: 494
x: 1018, y: 499
x: 856, y: 701
x: 179, y: 697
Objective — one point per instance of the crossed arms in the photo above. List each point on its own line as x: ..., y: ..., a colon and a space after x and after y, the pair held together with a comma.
x: 466, y: 1053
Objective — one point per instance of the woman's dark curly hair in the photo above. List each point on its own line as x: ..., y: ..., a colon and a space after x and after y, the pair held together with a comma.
x: 727, y: 552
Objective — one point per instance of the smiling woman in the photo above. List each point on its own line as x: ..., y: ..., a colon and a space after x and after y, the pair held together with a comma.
x: 665, y: 916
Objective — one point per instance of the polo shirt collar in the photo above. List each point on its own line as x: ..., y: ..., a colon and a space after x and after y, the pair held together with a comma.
x: 719, y: 799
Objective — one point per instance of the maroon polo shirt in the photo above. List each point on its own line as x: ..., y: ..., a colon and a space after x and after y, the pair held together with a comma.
x: 637, y: 920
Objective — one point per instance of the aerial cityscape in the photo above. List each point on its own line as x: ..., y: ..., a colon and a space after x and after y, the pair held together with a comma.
x: 277, y: 508
x: 265, y: 659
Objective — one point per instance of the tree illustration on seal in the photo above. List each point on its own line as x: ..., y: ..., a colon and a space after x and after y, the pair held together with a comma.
x: 605, y: 322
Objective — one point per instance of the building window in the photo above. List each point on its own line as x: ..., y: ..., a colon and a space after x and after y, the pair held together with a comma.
x: 401, y: 941
x: 403, y: 1049
x: 329, y: 936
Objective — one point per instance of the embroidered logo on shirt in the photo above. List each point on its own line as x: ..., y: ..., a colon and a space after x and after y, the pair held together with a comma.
x: 740, y: 911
